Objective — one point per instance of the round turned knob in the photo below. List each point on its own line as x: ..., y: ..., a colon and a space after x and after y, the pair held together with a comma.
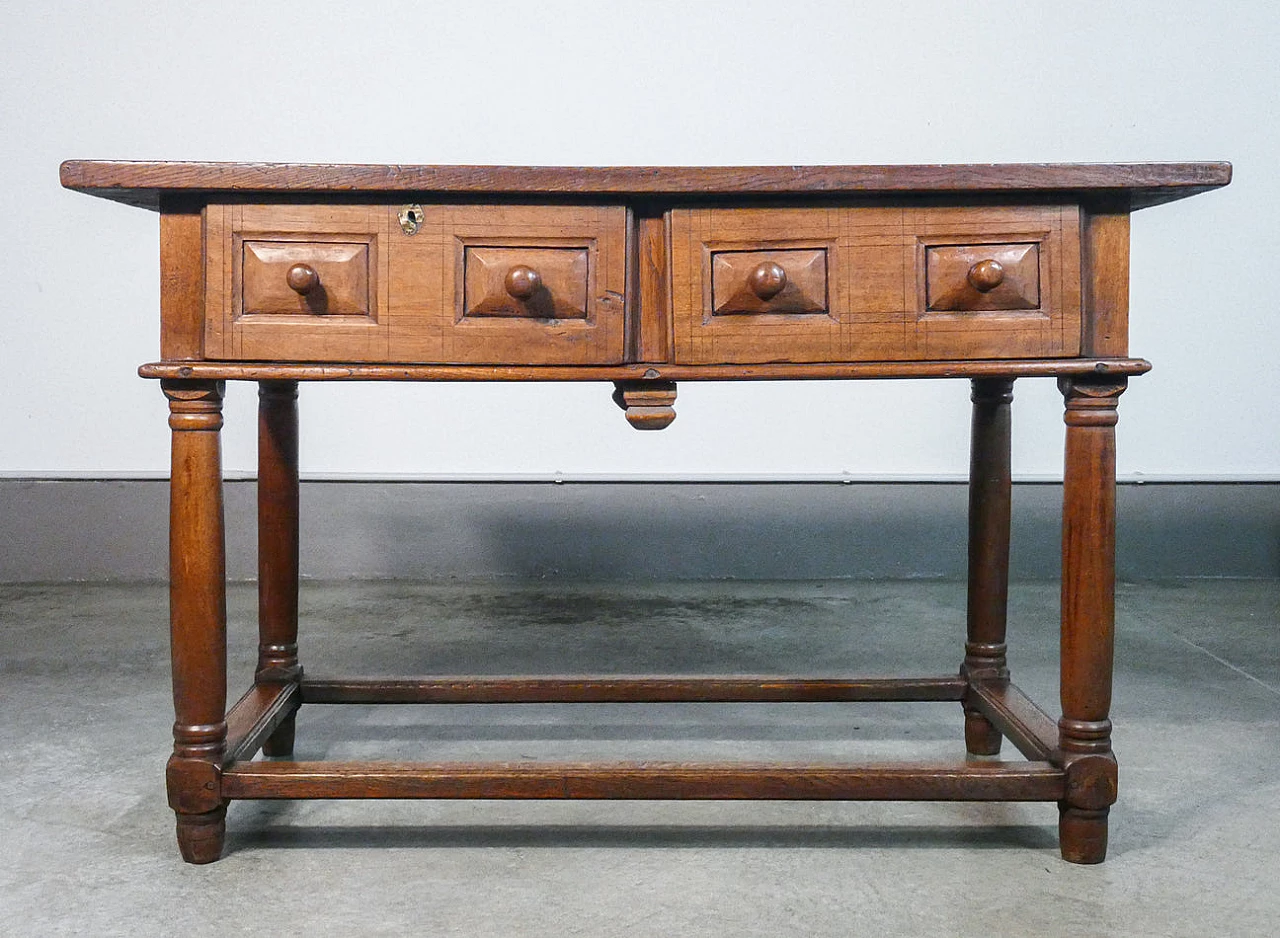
x: 522, y: 282
x: 767, y: 280
x: 985, y: 276
x: 302, y: 278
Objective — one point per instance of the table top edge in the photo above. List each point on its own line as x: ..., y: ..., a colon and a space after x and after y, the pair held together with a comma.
x: 143, y: 183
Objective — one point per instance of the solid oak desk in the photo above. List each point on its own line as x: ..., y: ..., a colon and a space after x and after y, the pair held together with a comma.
x: 642, y: 277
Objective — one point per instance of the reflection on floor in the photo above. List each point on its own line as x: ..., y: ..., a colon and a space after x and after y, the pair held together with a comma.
x: 88, y: 845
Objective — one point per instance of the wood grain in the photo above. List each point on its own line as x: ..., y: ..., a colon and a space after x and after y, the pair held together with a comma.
x: 1106, y: 282
x: 283, y: 325
x: 650, y: 316
x: 1088, y: 615
x: 587, y: 689
x: 182, y: 291
x: 278, y: 545
x: 1139, y: 184
x: 197, y: 618
x: 957, y: 277
x: 305, y: 278
x: 447, y: 285
x: 990, y: 491
x: 643, y: 277
x: 778, y: 281
x: 272, y: 371
x: 982, y: 781
x: 257, y: 716
x: 1033, y: 731
x: 648, y: 405
x: 526, y: 282
x: 870, y: 298
x: 1050, y: 273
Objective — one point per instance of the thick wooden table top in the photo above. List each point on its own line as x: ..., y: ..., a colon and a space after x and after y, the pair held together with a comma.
x: 1135, y: 185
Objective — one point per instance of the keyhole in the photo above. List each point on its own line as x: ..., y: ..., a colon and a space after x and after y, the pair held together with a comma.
x: 411, y: 217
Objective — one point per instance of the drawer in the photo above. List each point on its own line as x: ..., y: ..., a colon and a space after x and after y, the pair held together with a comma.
x: 875, y: 283
x: 478, y: 284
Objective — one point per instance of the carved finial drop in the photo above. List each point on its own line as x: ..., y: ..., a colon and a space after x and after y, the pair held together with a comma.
x: 647, y: 404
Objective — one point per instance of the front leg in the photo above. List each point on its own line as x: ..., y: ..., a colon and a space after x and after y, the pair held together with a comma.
x: 1088, y: 615
x: 197, y: 618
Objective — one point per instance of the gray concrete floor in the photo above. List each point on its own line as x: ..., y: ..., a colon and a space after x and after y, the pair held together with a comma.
x: 86, y: 841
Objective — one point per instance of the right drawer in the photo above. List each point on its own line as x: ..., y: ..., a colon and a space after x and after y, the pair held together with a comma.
x: 763, y: 285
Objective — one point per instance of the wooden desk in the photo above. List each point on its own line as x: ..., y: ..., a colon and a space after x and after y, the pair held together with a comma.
x: 642, y: 277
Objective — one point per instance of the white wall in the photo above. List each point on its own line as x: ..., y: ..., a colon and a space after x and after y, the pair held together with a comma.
x: 637, y: 83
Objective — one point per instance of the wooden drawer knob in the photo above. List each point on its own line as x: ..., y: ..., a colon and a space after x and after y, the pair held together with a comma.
x: 302, y: 278
x: 767, y: 280
x: 985, y: 276
x: 522, y: 282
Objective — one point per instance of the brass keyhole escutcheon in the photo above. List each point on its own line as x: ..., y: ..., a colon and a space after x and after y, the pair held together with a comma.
x: 411, y: 218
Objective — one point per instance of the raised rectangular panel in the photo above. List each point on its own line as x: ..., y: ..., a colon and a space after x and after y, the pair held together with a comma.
x: 526, y: 282
x: 339, y: 271
x: 968, y: 277
x: 788, y: 281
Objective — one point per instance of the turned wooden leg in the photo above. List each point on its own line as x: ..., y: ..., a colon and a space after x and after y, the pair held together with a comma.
x: 278, y: 545
x: 197, y: 618
x: 989, y: 496
x: 1088, y: 615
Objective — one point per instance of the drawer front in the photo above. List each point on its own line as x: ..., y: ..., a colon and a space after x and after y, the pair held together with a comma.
x: 875, y: 284
x: 460, y: 284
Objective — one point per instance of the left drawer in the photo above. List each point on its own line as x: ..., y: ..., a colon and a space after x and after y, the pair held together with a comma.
x: 297, y: 282
x: 460, y: 284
